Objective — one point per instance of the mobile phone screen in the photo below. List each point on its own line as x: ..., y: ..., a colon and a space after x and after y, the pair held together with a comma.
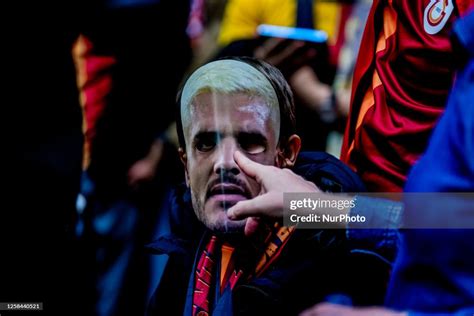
x: 294, y: 33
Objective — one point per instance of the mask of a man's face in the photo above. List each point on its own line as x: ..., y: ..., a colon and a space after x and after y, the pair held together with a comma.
x: 219, y: 125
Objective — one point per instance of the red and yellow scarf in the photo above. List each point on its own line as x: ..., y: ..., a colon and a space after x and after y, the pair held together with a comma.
x: 204, y: 284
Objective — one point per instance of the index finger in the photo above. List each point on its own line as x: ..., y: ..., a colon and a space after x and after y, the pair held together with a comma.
x: 251, y: 168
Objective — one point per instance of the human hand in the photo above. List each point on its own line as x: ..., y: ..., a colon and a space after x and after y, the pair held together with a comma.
x: 286, y: 55
x: 274, y: 182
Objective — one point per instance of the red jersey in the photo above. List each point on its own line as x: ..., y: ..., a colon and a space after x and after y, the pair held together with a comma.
x: 401, y: 82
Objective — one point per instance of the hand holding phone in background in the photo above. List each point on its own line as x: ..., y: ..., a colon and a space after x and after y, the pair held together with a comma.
x: 300, y: 54
x: 290, y: 48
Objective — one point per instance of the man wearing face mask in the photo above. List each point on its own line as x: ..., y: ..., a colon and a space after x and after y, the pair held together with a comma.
x: 218, y: 266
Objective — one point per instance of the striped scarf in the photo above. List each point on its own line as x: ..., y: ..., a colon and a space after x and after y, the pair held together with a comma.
x: 206, y: 274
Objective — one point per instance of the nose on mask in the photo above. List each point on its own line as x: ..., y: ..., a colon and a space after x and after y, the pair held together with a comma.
x: 225, y: 158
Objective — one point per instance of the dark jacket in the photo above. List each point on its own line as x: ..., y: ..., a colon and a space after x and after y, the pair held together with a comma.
x: 314, y: 266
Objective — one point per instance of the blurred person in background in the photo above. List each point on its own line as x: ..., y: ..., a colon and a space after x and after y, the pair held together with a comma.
x: 434, y: 272
x: 40, y: 260
x: 403, y: 74
x: 130, y: 58
x: 322, y: 102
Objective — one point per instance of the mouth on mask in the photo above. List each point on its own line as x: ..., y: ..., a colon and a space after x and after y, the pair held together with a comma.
x: 228, y: 192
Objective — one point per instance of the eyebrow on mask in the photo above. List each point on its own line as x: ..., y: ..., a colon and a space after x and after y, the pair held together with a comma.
x: 254, y: 136
x: 206, y: 135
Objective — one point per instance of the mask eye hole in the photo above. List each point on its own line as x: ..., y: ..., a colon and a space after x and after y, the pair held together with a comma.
x: 205, y: 143
x: 252, y: 144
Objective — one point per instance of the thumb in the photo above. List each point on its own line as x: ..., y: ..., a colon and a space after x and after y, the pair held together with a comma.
x: 251, y: 226
x: 244, y: 209
x: 258, y: 206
